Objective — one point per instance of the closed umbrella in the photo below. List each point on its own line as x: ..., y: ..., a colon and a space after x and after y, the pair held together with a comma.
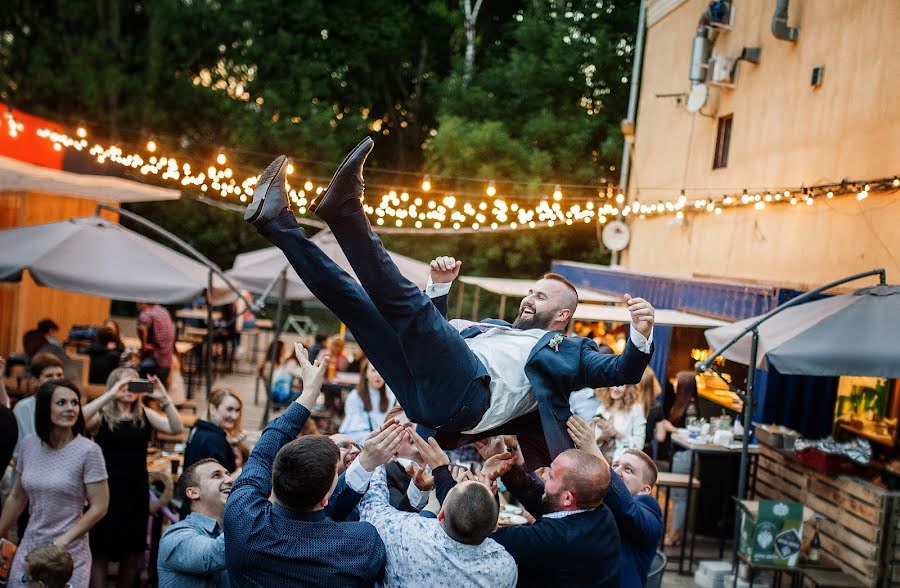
x: 94, y: 256
x: 850, y: 334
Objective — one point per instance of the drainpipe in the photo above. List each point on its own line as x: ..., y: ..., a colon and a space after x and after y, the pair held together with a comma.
x: 632, y: 107
x: 779, y: 23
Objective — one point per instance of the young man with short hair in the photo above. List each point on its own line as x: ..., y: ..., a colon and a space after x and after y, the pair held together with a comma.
x: 293, y: 540
x: 44, y: 367
x: 637, y: 513
x: 192, y: 551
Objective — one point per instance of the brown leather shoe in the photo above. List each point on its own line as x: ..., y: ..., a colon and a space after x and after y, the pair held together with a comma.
x: 346, y: 184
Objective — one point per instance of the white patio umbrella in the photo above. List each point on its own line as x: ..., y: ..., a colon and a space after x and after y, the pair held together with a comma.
x: 257, y: 270
x: 92, y: 255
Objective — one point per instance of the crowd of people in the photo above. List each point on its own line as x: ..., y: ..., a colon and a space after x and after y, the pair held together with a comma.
x: 381, y: 501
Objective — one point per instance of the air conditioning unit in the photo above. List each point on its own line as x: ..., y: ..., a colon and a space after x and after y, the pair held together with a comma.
x: 722, y: 70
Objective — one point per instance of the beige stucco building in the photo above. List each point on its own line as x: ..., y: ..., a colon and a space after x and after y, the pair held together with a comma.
x: 785, y: 132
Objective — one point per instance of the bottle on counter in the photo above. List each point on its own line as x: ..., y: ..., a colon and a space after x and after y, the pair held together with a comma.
x: 814, y: 547
x: 692, y: 414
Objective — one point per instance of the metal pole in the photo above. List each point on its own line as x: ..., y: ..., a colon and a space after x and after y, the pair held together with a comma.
x: 475, y: 303
x: 210, y: 337
x: 273, y: 352
x: 632, y: 107
x: 502, y: 306
x: 745, y: 445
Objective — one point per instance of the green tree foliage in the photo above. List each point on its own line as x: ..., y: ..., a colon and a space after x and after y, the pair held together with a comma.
x: 308, y: 78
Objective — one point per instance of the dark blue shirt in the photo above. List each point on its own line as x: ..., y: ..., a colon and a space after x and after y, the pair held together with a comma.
x: 268, y: 546
x: 640, y: 524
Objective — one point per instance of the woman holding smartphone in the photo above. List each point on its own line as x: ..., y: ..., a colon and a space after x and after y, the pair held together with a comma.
x: 122, y: 426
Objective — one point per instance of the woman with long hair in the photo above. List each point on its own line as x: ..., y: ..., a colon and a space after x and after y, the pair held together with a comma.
x: 60, y: 470
x: 122, y: 426
x: 685, y: 393
x: 621, y: 423
x: 366, y: 405
x: 219, y: 434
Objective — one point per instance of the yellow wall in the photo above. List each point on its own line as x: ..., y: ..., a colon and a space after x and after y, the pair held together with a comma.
x: 785, y: 133
x: 24, y: 303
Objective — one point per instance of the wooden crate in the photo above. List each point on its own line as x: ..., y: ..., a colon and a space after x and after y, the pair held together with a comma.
x: 860, y: 528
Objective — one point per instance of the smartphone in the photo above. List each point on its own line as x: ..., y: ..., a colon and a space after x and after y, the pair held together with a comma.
x: 140, y: 386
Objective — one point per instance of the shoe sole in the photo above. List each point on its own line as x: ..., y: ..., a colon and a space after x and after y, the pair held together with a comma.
x: 318, y: 199
x: 270, y: 173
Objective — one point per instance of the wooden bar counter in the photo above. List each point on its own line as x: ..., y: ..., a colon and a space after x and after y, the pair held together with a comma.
x: 859, y: 524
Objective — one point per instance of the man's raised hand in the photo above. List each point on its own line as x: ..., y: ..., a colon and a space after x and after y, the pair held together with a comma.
x: 379, y: 448
x: 423, y: 480
x: 582, y: 435
x: 444, y: 269
x: 432, y: 454
x: 641, y: 315
x: 497, y: 465
x: 312, y: 375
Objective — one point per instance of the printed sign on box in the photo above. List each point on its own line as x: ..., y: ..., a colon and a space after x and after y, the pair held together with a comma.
x: 771, y: 532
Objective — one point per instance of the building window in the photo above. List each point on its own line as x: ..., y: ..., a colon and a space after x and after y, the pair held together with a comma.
x: 723, y: 140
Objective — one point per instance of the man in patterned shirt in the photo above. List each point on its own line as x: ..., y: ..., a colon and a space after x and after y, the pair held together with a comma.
x: 157, y: 334
x: 452, y: 550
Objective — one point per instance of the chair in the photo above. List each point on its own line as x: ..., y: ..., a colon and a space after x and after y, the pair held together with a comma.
x: 657, y: 569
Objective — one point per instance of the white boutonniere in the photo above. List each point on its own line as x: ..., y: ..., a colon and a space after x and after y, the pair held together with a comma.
x: 555, y: 341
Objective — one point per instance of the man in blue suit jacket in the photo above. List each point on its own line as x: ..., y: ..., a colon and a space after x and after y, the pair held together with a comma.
x: 294, y: 540
x: 574, y: 541
x: 448, y: 382
x: 636, y: 512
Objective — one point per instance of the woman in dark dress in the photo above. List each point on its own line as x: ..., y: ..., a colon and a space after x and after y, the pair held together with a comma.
x: 220, y: 435
x: 122, y: 427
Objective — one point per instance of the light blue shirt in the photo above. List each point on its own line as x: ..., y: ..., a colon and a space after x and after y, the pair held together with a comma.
x: 192, y: 554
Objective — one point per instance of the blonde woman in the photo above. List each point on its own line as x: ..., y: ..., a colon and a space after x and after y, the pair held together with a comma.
x: 220, y: 434
x: 620, y: 419
x: 121, y: 426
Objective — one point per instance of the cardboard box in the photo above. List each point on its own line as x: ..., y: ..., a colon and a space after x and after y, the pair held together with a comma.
x: 771, y: 532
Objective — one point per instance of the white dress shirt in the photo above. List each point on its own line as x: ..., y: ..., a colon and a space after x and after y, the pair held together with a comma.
x: 504, y: 352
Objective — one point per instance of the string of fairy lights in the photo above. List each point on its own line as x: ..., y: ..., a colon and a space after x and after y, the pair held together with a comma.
x: 426, y: 208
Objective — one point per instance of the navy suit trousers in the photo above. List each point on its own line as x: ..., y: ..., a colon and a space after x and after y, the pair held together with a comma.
x: 435, y: 377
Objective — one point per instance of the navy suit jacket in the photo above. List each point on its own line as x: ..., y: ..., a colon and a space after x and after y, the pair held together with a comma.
x: 580, y: 549
x: 554, y: 371
x: 640, y: 523
x: 268, y: 546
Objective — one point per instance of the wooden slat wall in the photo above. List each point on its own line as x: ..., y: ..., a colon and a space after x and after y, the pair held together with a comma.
x: 23, y: 304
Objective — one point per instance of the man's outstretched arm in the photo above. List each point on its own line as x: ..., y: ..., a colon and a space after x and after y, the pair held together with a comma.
x: 599, y: 369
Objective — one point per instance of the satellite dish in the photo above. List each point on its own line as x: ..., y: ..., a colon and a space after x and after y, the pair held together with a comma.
x: 616, y: 235
x: 697, y: 98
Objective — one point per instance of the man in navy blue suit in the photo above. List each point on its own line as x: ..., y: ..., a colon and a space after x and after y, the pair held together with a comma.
x: 637, y: 514
x: 460, y: 385
x: 574, y: 541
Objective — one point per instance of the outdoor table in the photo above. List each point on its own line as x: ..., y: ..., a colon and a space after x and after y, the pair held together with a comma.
x: 196, y: 314
x: 697, y: 446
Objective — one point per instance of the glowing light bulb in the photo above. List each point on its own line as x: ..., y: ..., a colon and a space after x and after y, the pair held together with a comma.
x: 151, y: 146
x: 491, y: 189
x: 426, y: 184
x: 81, y: 132
x: 308, y: 186
x: 830, y: 194
x: 290, y: 168
x: 557, y: 192
x: 221, y: 159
